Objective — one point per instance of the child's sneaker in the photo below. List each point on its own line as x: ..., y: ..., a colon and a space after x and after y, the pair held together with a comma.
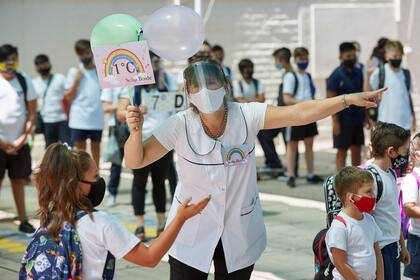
x: 26, y: 227
x: 291, y: 182
x: 315, y: 179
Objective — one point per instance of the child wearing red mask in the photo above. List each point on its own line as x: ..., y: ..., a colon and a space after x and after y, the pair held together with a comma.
x: 353, y: 238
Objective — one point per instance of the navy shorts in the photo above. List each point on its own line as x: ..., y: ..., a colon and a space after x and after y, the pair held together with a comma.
x: 349, y: 136
x: 81, y: 135
x: 391, y: 257
x: 413, y: 269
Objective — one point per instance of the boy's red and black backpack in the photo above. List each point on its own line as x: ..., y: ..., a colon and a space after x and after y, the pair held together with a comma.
x: 333, y: 206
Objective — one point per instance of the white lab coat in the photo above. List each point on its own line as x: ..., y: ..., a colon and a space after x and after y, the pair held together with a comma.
x: 234, y: 212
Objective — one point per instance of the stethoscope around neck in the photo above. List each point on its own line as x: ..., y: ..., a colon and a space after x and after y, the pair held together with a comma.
x: 215, y: 140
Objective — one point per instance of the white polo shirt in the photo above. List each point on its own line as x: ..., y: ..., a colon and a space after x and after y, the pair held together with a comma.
x: 248, y: 90
x: 13, y: 107
x: 50, y: 103
x: 395, y: 104
x: 112, y: 95
x: 303, y: 92
x: 86, y: 109
x: 234, y: 213
x: 387, y: 210
x: 410, y: 191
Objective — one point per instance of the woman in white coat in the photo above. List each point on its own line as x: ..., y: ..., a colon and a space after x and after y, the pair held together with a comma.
x: 215, y: 143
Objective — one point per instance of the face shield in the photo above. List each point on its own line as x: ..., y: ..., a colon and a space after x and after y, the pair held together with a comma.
x: 205, y: 85
x: 203, y: 74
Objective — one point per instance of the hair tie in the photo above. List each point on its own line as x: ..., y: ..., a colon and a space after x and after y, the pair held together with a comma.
x: 67, y: 146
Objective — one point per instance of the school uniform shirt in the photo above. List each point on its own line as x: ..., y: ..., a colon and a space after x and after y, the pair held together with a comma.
x: 50, y: 102
x: 303, y: 92
x: 387, y: 210
x: 228, y: 72
x: 86, y: 111
x: 13, y: 108
x: 395, y: 104
x: 112, y: 95
x: 410, y: 193
x: 99, y: 235
x: 248, y: 90
x: 341, y: 81
x: 234, y: 213
x: 357, y: 238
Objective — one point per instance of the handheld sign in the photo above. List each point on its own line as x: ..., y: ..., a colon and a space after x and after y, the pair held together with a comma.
x: 123, y: 65
x: 164, y: 101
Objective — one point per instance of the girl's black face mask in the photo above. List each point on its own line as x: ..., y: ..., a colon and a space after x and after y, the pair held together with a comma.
x: 97, y: 191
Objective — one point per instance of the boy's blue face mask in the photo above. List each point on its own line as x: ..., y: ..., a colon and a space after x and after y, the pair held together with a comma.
x: 302, y: 65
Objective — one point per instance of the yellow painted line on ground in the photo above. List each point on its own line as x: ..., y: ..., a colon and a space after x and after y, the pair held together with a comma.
x: 150, y: 232
x: 12, y: 246
x: 19, y: 249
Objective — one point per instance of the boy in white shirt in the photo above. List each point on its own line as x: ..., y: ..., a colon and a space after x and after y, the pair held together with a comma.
x: 298, y: 87
x: 17, y: 117
x: 86, y: 120
x: 411, y: 199
x: 352, y: 240
x: 50, y: 90
x: 390, y: 144
x: 397, y: 105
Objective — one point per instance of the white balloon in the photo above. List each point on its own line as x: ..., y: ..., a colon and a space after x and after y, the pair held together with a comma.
x: 174, y: 32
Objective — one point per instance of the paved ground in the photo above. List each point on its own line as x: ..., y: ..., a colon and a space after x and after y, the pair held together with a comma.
x: 292, y: 216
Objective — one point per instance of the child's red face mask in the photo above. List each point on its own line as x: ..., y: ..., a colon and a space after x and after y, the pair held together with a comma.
x: 364, y: 203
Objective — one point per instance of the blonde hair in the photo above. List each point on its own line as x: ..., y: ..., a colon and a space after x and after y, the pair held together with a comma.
x: 57, y: 182
x: 394, y: 45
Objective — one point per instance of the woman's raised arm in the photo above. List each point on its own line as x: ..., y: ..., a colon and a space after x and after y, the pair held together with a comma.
x: 311, y: 111
x: 136, y: 153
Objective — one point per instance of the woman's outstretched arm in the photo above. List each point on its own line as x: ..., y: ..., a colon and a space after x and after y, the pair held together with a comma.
x: 311, y: 111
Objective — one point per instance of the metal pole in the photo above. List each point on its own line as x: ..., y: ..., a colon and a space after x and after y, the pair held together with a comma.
x: 197, y: 6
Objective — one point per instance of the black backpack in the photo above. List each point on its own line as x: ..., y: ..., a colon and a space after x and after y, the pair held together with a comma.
x: 373, y: 112
x: 280, y: 98
x: 22, y: 81
x: 333, y: 206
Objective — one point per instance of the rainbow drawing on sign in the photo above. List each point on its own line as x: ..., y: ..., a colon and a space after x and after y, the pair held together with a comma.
x: 118, y: 54
x: 235, y: 154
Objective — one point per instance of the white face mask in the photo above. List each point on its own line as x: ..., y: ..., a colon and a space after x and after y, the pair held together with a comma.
x: 208, y: 101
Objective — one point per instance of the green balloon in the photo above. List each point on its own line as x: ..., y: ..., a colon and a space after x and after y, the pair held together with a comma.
x: 116, y: 29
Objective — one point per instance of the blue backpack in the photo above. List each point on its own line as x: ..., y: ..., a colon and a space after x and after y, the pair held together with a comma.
x: 46, y: 259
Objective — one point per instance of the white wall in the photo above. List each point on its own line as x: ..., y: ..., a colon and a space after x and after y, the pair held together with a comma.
x: 246, y: 28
